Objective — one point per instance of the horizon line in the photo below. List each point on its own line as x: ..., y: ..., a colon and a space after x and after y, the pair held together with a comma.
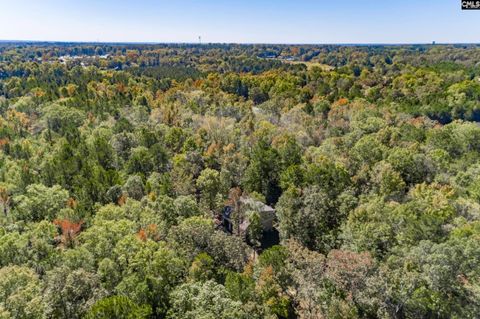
x: 238, y: 43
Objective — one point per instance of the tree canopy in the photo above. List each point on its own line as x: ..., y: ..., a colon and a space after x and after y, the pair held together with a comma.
x: 117, y: 161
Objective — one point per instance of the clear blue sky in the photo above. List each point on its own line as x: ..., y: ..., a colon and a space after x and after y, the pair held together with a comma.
x: 248, y: 21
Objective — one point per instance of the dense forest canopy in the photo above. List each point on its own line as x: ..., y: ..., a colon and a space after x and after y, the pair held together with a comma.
x: 117, y: 163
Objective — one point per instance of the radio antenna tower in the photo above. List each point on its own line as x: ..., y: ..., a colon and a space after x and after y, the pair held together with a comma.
x: 199, y: 39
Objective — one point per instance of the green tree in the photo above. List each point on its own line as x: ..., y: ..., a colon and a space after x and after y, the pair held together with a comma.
x: 140, y: 161
x: 69, y: 294
x: 120, y: 307
x: 204, y: 300
x: 20, y: 293
x: 134, y: 187
x: 209, y: 185
x: 255, y: 229
x: 202, y: 268
x: 261, y: 174
x: 40, y: 202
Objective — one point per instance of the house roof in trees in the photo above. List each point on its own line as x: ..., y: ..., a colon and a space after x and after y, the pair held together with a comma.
x: 257, y: 205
